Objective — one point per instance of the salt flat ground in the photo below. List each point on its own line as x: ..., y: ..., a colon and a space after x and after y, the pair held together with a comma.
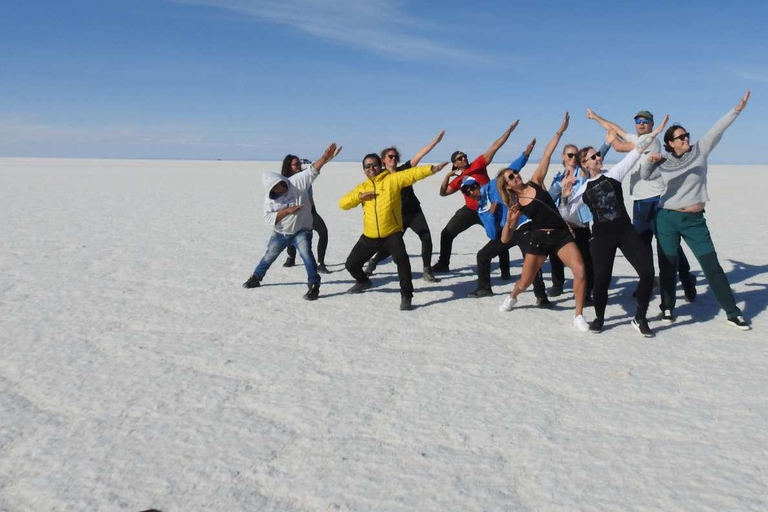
x: 135, y: 372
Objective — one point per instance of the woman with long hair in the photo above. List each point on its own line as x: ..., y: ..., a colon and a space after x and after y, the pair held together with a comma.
x: 684, y: 171
x: 291, y: 166
x: 612, y: 227
x: 549, y: 232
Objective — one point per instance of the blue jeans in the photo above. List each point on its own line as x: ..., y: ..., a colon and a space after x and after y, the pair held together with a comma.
x: 302, y: 241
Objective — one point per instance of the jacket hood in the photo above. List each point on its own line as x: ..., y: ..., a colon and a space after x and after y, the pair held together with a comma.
x: 270, y: 179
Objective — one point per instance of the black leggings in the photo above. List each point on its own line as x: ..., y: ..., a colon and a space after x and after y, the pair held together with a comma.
x: 497, y: 248
x: 418, y: 223
x: 603, y: 254
x: 367, y: 247
x: 318, y: 224
x: 464, y: 218
x: 558, y: 268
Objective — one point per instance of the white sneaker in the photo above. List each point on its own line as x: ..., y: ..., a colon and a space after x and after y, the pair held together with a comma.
x: 508, y: 304
x: 580, y: 323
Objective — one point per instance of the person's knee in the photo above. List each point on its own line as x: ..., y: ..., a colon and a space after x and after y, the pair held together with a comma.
x: 577, y: 269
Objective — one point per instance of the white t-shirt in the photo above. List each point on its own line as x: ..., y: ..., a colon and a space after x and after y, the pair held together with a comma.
x: 638, y: 187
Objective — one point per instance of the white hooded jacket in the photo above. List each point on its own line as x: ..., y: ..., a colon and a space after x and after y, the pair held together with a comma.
x: 298, y: 193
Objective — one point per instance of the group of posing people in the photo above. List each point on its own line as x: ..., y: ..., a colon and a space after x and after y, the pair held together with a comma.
x: 579, y: 221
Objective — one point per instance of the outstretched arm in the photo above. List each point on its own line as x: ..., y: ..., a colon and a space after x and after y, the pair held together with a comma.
x: 541, y: 171
x: 710, y: 139
x: 607, y: 124
x: 445, y: 190
x: 510, y: 224
x: 499, y: 142
x: 620, y: 170
x: 415, y: 159
x: 328, y: 155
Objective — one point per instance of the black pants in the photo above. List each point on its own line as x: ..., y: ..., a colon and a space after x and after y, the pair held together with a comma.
x: 558, y: 268
x: 497, y: 248
x: 367, y: 247
x: 644, y: 220
x: 464, y: 218
x: 318, y: 224
x: 603, y: 254
x: 416, y: 221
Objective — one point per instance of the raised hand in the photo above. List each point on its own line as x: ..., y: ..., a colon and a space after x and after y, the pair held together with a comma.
x: 743, y: 102
x: 530, y: 147
x: 564, y: 125
x: 660, y: 128
x: 336, y: 153
x: 330, y: 152
x: 655, y: 158
x: 439, y: 167
x: 590, y: 114
x: 514, y: 125
x: 610, y: 135
x: 439, y: 137
x: 567, y: 184
x: 366, y: 196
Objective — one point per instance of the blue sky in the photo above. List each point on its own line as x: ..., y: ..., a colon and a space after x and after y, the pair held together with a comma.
x: 256, y: 79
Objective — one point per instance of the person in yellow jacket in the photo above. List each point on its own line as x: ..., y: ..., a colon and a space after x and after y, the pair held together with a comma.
x: 382, y: 221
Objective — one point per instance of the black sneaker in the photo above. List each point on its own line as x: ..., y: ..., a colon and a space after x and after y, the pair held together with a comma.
x: 405, y: 303
x: 252, y: 282
x: 543, y: 302
x: 555, y: 291
x: 596, y: 325
x: 667, y: 316
x: 290, y: 262
x: 689, y: 288
x: 360, y: 287
x: 313, y: 293
x: 641, y: 325
x: 440, y: 268
x: 428, y: 276
x: 739, y: 323
x: 321, y: 268
x: 370, y: 268
x: 480, y: 293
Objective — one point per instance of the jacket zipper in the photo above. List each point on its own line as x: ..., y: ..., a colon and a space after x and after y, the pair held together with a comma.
x: 376, y: 209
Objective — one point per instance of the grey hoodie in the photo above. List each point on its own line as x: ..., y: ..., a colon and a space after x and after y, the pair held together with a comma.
x: 298, y: 187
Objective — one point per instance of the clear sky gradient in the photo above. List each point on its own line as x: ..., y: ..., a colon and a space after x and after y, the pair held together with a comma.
x: 256, y: 79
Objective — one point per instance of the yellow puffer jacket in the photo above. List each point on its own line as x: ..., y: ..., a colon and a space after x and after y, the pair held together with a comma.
x: 383, y: 215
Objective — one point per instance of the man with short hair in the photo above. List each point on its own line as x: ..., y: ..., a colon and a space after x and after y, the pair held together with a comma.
x: 466, y: 216
x: 646, y: 193
x: 380, y: 198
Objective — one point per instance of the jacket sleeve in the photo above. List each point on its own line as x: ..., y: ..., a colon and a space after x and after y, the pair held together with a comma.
x: 519, y: 163
x: 303, y: 180
x: 270, y: 212
x: 351, y: 199
x: 407, y: 178
x: 649, y: 171
x: 620, y: 170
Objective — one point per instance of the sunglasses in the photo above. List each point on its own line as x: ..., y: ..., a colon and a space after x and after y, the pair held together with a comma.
x: 571, y: 155
x: 641, y: 120
x: 392, y: 156
x: 370, y: 166
x: 460, y: 157
x: 593, y: 157
x: 682, y: 137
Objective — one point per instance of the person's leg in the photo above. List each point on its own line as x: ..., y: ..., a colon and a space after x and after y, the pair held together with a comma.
x: 318, y: 224
x: 583, y: 235
x: 418, y: 223
x: 633, y: 248
x: 557, y: 273
x: 484, y: 258
x: 276, y: 244
x: 504, y: 264
x: 531, y: 265
x: 521, y: 238
x: 571, y: 257
x: 693, y: 227
x: 643, y: 215
x: 395, y: 245
x: 603, y: 251
x: 303, y: 242
x: 363, y: 249
x: 463, y: 219
x: 668, y: 238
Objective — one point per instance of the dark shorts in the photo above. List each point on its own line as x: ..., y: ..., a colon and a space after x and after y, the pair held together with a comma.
x: 544, y: 243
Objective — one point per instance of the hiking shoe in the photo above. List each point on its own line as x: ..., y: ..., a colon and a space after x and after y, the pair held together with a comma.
x: 555, y: 291
x: 290, y: 262
x: 405, y: 303
x: 596, y: 326
x: 739, y: 323
x: 580, y: 324
x: 641, y: 325
x: 440, y: 268
x: 543, y: 302
x: 508, y: 304
x: 252, y: 282
x: 480, y: 293
x: 370, y: 268
x: 360, y: 287
x: 428, y: 276
x: 667, y: 316
x: 322, y: 269
x: 689, y: 288
x: 313, y: 293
